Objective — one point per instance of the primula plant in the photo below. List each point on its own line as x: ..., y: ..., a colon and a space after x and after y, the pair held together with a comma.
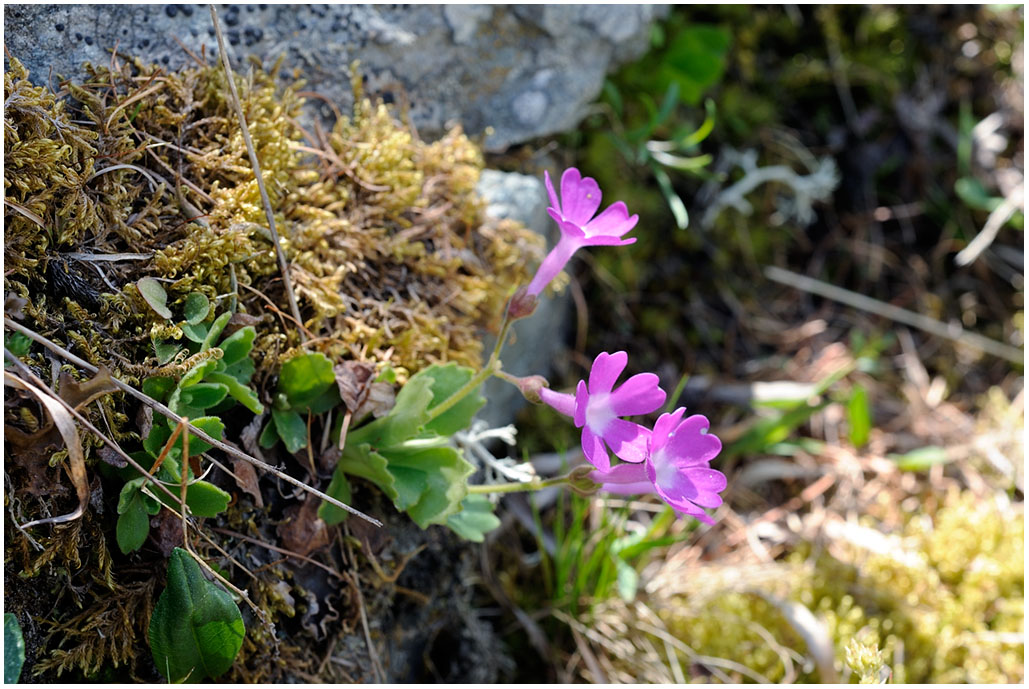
x: 408, y: 453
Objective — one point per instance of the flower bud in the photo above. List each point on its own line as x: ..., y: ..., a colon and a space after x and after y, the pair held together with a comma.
x: 579, y: 480
x: 530, y: 387
x: 522, y: 304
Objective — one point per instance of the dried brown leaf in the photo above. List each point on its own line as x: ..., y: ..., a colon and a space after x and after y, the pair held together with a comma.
x: 302, y: 531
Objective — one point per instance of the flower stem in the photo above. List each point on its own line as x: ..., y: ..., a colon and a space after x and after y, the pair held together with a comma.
x: 492, y: 367
x: 533, y: 485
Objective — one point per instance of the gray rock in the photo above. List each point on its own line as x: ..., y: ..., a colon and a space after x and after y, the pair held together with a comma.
x: 525, y: 71
x: 539, y: 337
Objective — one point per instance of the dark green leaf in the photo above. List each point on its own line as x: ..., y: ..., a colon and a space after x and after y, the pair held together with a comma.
x: 155, y: 440
x: 339, y: 488
x: 196, y: 308
x: 195, y: 630
x: 155, y: 296
x: 242, y: 370
x: 204, y: 395
x: 158, y: 387
x: 18, y: 344
x: 304, y: 378
x: 165, y: 351
x: 133, y: 524
x: 197, y: 373
x: 211, y: 425
x: 269, y: 436
x: 475, y: 519
x: 291, y: 428
x: 195, y: 333
x: 206, y: 499
x: 14, y: 649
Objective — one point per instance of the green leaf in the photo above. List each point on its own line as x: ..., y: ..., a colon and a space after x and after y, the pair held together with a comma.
x: 447, y: 379
x: 437, y: 474
x: 196, y: 308
x: 216, y: 330
x: 14, y: 649
x: 242, y: 370
x: 404, y: 421
x: 696, y: 59
x: 195, y: 333
x: 329, y: 399
x: 155, y: 296
x: 203, y: 395
x: 291, y: 428
x: 304, y: 378
x: 339, y: 488
x: 238, y: 345
x: 206, y: 499
x: 475, y: 519
x: 859, y: 417
x: 242, y: 394
x: 158, y: 387
x: 165, y: 351
x: 269, y: 436
x: 197, y: 373
x: 18, y: 344
x: 195, y: 630
x: 922, y: 458
x: 211, y: 425
x: 133, y: 523
x: 155, y: 440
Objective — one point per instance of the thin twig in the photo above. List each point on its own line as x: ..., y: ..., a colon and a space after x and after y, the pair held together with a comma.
x: 916, y: 320
x: 157, y: 406
x: 283, y: 267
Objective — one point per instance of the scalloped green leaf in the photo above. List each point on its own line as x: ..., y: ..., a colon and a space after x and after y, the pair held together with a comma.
x: 206, y: 499
x: 165, y: 351
x: 475, y: 519
x: 404, y: 421
x: 447, y: 379
x: 242, y: 370
x: 269, y: 436
x: 155, y: 296
x: 238, y: 345
x: 437, y: 475
x: 304, y: 378
x: 196, y: 630
x: 196, y: 308
x: 197, y: 373
x: 361, y: 461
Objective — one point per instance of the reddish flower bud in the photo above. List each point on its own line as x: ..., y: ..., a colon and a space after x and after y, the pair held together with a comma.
x: 522, y: 304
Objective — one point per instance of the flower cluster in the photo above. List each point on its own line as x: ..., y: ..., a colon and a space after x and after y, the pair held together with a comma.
x: 673, y: 459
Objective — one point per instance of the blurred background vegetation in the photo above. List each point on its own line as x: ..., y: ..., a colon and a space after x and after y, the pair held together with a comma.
x: 874, y: 528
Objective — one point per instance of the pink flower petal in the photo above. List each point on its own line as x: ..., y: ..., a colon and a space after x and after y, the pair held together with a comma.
x: 666, y: 423
x: 568, y: 228
x: 605, y: 371
x: 604, y: 240
x: 707, y: 480
x: 593, y: 448
x: 561, y: 402
x: 641, y: 394
x: 622, y: 473
x: 627, y: 440
x: 582, y: 399
x: 580, y: 197
x: 688, y: 444
x: 553, y: 264
x: 615, y: 221
x: 554, y: 203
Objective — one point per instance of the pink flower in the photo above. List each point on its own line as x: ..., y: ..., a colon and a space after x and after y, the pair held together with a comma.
x: 676, y: 468
x: 597, y: 406
x: 573, y: 213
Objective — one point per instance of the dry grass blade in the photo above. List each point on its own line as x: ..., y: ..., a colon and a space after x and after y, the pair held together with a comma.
x: 288, y: 283
x: 76, y: 459
x: 916, y: 320
x: 157, y: 406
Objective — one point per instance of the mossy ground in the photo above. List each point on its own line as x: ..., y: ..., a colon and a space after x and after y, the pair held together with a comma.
x: 139, y: 172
